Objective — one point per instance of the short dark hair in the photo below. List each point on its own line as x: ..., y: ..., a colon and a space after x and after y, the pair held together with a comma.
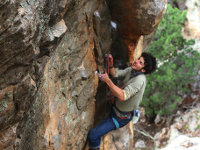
x: 149, y: 62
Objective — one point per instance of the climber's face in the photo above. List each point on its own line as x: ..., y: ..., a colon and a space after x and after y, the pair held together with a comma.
x: 138, y: 64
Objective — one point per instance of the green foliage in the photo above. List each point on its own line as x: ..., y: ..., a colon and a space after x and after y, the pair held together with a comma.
x: 178, y: 65
x: 178, y: 0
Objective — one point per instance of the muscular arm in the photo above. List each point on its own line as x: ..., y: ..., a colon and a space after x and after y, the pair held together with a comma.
x: 114, y: 89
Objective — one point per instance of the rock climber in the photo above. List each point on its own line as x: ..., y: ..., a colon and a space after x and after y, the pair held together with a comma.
x: 127, y: 98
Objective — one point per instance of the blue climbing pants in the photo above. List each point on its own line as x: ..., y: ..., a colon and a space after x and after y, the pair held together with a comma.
x: 112, y: 122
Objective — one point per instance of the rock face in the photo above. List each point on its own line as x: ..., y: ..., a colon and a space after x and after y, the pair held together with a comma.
x: 119, y: 139
x: 50, y: 50
x: 47, y: 80
x: 191, y: 29
x: 179, y: 4
x: 183, y: 134
x: 135, y: 18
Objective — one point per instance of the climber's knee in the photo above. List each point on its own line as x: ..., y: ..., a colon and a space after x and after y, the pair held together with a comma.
x: 91, y: 135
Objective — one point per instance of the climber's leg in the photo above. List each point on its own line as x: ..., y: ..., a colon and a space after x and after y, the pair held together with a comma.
x: 95, y: 134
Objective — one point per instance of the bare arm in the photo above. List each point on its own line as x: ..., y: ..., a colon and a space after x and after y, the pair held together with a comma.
x: 114, y: 89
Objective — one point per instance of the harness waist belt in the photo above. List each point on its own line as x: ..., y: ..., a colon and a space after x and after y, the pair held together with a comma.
x: 123, y: 115
x: 123, y: 112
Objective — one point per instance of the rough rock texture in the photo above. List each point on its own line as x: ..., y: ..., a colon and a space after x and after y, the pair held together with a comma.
x: 183, y: 134
x: 191, y: 29
x: 50, y: 50
x: 120, y: 139
x: 47, y: 65
x: 180, y: 4
x: 135, y: 18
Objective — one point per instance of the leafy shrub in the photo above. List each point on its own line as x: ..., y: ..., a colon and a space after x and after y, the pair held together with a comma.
x: 178, y: 65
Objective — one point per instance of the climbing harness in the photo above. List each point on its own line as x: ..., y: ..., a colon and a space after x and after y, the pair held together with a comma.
x: 115, y: 122
x: 136, y: 116
x: 107, y: 71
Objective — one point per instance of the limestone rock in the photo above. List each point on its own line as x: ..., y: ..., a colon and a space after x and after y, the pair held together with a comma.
x: 50, y: 50
x: 140, y: 144
x: 47, y: 63
x: 183, y: 133
x: 120, y: 139
x: 179, y: 4
x: 191, y: 29
x: 134, y: 18
x: 137, y: 17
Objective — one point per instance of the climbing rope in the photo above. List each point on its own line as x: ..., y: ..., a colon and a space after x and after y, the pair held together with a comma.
x: 107, y: 89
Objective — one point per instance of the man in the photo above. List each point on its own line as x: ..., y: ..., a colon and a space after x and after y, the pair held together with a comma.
x: 127, y: 99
